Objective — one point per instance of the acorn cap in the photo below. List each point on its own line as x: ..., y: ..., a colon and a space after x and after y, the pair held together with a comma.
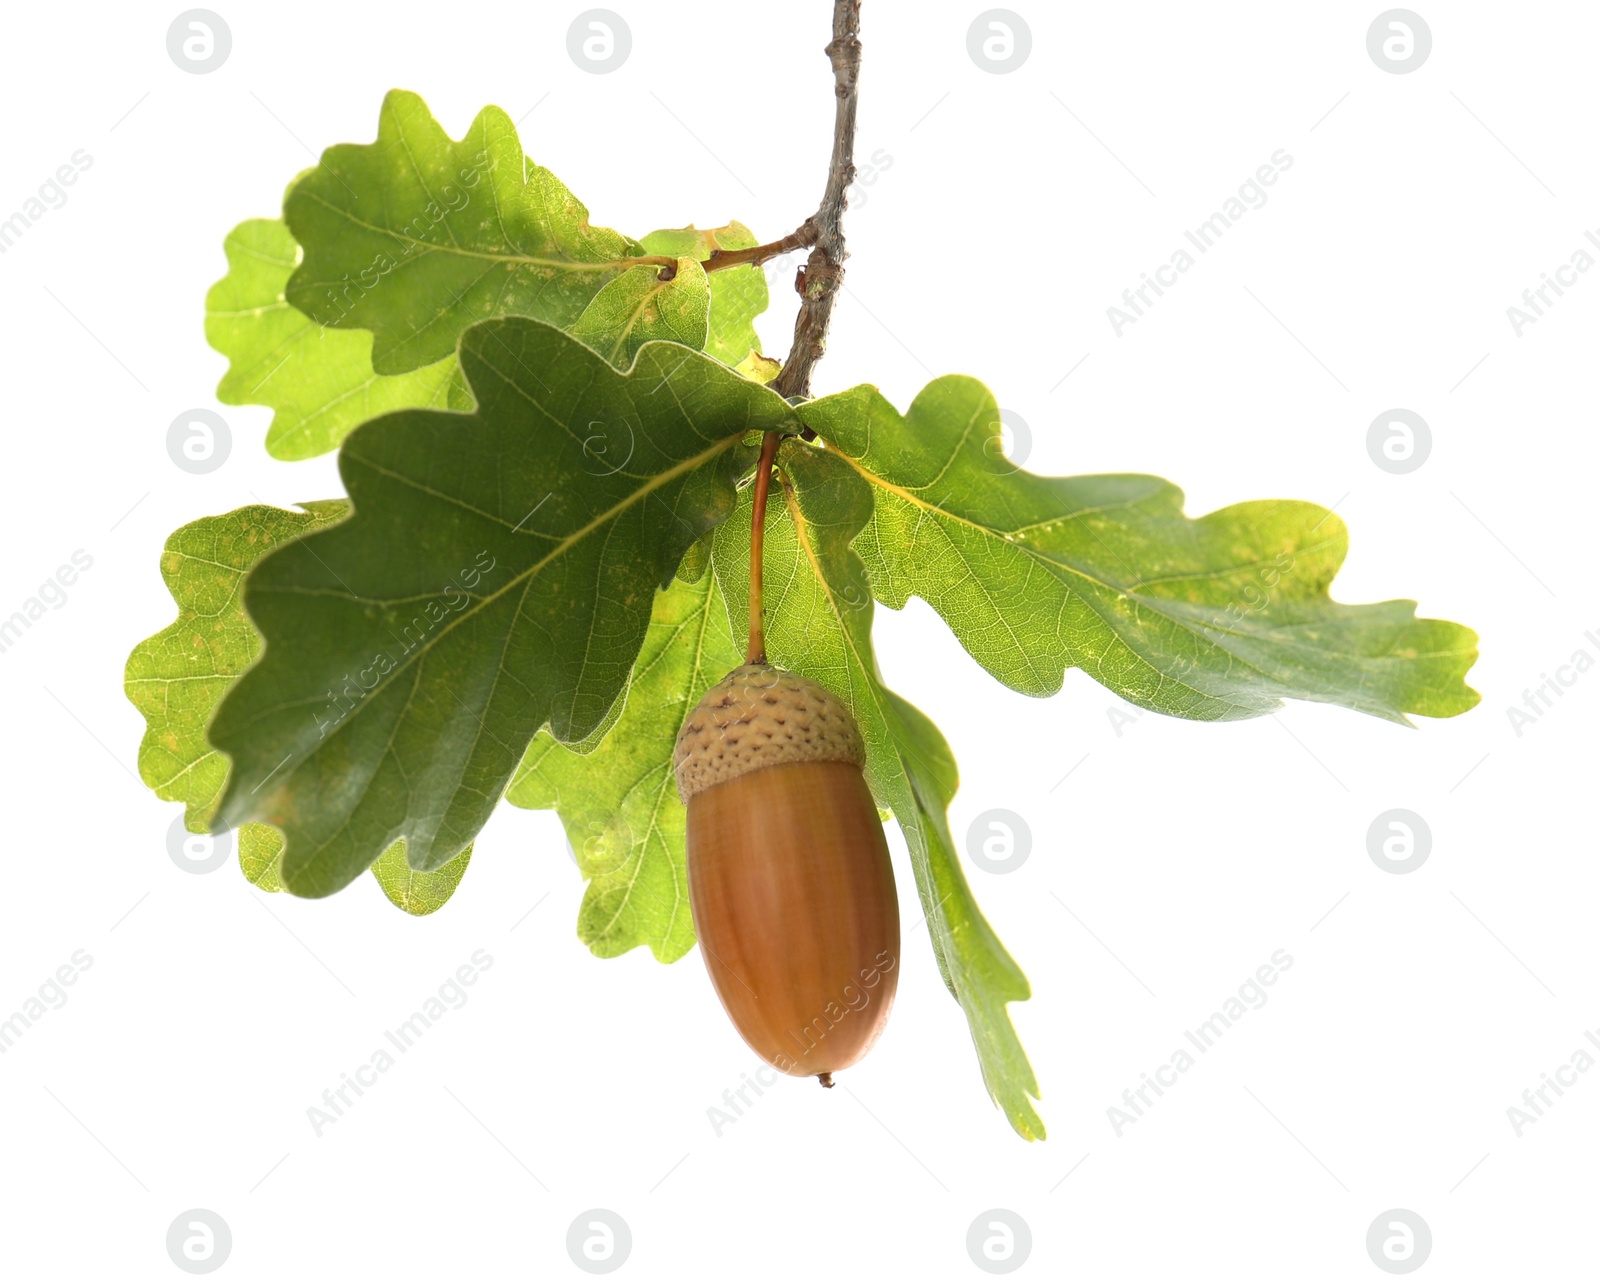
x: 759, y: 716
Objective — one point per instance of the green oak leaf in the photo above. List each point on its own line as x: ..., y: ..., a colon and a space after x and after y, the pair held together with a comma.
x: 759, y: 368
x: 738, y: 294
x: 819, y: 622
x: 414, y: 237
x: 1216, y: 617
x: 261, y: 855
x: 696, y: 560
x: 416, y: 891
x: 318, y: 381
x: 639, y: 306
x: 176, y: 678
x: 619, y: 800
x: 497, y: 573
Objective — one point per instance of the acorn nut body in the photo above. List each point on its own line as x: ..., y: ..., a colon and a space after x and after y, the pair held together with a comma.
x: 790, y: 883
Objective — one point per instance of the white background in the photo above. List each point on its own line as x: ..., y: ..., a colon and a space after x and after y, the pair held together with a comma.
x: 1171, y: 863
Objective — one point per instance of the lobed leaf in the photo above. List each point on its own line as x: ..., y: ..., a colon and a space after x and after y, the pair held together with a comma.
x: 819, y: 622
x: 497, y: 573
x: 1217, y: 617
x: 176, y: 678
x: 318, y: 381
x: 410, y: 239
x: 415, y: 236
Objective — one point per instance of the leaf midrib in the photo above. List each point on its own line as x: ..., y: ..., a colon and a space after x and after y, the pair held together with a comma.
x: 1197, y: 629
x: 522, y: 578
x: 427, y: 247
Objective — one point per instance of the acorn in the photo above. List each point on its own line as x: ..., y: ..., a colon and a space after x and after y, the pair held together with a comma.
x: 790, y: 883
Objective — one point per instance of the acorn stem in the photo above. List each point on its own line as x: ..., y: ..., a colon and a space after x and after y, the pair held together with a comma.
x: 756, y: 652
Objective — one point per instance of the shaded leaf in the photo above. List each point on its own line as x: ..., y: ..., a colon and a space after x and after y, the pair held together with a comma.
x: 1216, y: 617
x: 819, y: 622
x: 260, y: 855
x: 738, y: 294
x: 619, y: 800
x: 696, y: 560
x: 496, y: 574
x: 639, y: 306
x: 761, y: 369
x: 413, y: 890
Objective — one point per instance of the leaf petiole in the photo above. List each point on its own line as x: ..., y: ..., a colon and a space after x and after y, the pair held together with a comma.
x: 803, y: 237
x: 756, y: 652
